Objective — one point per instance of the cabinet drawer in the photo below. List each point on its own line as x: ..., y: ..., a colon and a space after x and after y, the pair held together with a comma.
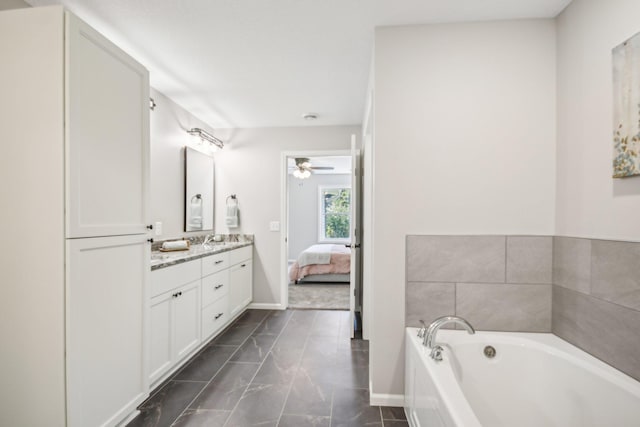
x: 241, y: 254
x: 214, y: 263
x: 214, y: 286
x: 214, y: 317
x: 168, y: 278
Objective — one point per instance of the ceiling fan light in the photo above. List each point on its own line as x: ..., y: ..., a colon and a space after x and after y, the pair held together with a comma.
x: 301, y: 174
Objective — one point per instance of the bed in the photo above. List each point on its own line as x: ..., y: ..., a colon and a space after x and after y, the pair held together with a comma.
x: 325, y: 263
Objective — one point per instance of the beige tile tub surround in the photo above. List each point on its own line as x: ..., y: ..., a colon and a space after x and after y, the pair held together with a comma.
x: 572, y: 263
x: 505, y: 307
x: 436, y: 299
x: 596, y: 299
x: 529, y: 259
x: 615, y: 272
x: 500, y: 283
x: 456, y: 259
x: 607, y: 331
x: 585, y: 291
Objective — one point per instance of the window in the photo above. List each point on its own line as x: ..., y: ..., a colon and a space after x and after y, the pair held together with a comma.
x: 335, y: 214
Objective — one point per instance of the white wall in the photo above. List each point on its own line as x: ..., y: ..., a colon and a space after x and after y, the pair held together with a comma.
x: 250, y: 167
x: 169, y: 125
x: 464, y: 144
x: 32, y: 359
x: 303, y: 209
x: 589, y: 202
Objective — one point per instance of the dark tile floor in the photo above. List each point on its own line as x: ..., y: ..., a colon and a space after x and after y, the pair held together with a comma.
x: 273, y: 368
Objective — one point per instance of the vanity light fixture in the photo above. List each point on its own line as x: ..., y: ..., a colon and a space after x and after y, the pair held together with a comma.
x: 206, y: 136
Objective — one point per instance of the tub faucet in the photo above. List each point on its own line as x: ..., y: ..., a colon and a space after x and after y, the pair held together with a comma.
x: 423, y: 329
x: 430, y: 336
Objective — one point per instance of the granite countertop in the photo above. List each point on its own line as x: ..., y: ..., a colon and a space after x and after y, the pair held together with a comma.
x: 165, y: 259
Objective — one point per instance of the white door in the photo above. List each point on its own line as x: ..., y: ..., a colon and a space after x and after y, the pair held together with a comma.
x: 106, y: 136
x: 355, y: 275
x: 186, y: 319
x: 240, y: 286
x: 247, y: 283
x: 106, y: 323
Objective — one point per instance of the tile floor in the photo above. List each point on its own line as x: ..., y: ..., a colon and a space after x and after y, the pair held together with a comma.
x: 318, y: 296
x: 273, y: 368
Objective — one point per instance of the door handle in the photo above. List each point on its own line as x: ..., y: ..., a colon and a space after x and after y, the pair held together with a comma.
x: 354, y: 246
x: 217, y: 287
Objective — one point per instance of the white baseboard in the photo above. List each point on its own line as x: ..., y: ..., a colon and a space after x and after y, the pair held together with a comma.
x: 128, y: 419
x: 379, y: 399
x: 266, y: 306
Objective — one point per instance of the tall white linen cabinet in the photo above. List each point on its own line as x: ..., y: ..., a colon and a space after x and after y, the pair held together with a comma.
x: 74, y: 129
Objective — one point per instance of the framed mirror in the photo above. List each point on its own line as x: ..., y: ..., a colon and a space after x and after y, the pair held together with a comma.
x: 198, y: 191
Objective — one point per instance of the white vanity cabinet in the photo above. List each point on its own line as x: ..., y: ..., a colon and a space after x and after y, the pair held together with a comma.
x: 186, y: 319
x: 175, y: 327
x: 240, y: 279
x: 74, y: 121
x: 174, y: 318
x: 215, y: 302
x: 107, y: 105
x: 192, y: 302
x: 104, y: 316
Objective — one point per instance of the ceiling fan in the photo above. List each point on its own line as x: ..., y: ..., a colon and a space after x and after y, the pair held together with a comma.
x: 303, y: 168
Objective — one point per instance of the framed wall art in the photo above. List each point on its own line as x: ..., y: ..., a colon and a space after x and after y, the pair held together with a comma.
x: 626, y: 108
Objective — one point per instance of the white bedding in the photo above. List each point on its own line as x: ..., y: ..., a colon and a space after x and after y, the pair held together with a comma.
x: 339, y: 262
x: 319, y: 254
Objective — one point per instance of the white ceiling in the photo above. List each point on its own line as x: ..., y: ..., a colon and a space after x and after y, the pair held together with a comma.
x: 263, y: 63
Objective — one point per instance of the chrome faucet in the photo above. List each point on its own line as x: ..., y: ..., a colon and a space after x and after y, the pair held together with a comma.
x: 434, y: 327
x: 423, y: 329
x: 208, y: 239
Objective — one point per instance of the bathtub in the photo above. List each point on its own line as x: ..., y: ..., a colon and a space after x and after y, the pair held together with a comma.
x: 533, y: 380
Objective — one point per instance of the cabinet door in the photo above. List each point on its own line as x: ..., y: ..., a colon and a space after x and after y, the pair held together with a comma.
x: 186, y: 319
x: 106, y: 348
x: 160, y: 357
x: 240, y: 286
x: 106, y: 136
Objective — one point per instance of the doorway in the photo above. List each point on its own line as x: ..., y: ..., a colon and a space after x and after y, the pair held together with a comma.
x: 318, y: 229
x: 326, y: 204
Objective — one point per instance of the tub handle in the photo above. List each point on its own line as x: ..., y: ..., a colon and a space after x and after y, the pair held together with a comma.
x: 436, y: 353
x: 422, y: 330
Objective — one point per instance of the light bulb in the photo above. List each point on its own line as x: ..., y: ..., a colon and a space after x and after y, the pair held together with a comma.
x: 301, y: 173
